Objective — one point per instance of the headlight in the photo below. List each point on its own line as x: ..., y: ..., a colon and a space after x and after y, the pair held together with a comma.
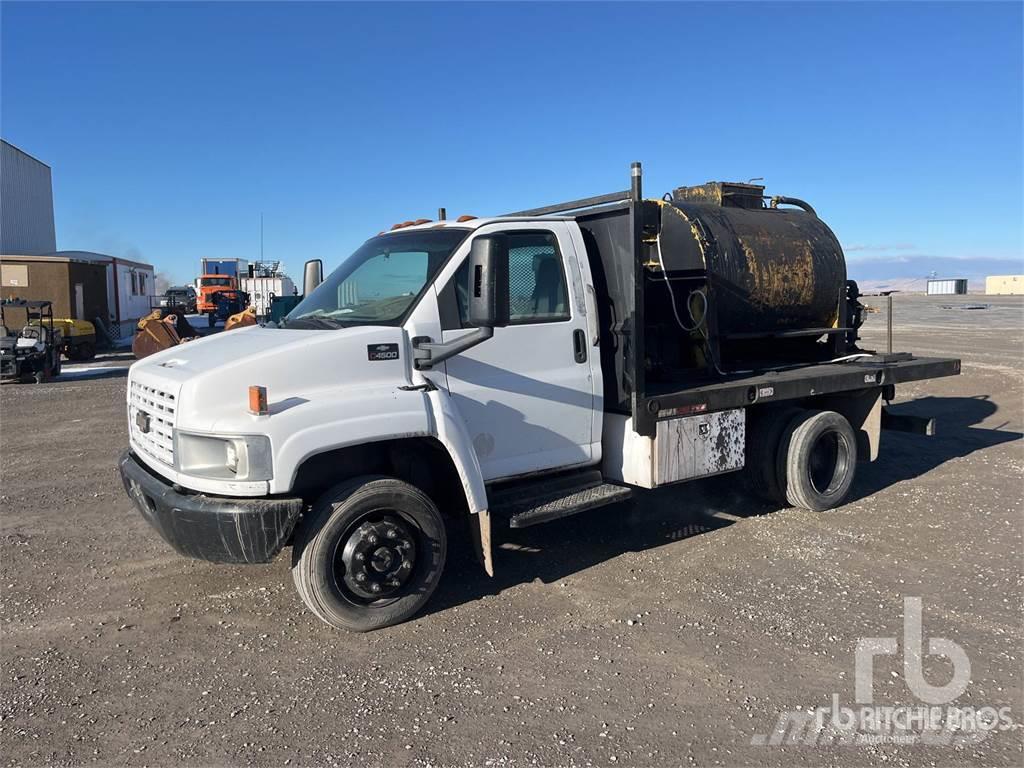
x: 243, y: 457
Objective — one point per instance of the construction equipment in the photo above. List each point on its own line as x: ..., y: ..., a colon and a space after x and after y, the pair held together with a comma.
x: 164, y: 328
x: 79, y: 338
x: 159, y: 330
x: 241, y: 319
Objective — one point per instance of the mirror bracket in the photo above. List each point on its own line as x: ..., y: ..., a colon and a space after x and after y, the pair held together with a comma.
x: 427, y: 354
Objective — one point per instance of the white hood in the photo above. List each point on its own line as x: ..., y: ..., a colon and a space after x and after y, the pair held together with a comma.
x: 210, y: 377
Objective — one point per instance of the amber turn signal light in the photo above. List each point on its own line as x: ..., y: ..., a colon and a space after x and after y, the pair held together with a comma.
x: 258, y: 401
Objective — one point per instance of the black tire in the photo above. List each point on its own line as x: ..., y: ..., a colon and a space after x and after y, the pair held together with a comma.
x: 329, y: 553
x: 84, y: 351
x: 763, y: 437
x: 39, y: 376
x: 817, y: 460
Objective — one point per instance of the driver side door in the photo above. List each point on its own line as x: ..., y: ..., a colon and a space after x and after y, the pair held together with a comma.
x: 527, y: 394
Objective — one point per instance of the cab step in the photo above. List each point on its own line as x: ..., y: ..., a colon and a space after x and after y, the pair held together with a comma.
x: 528, y: 503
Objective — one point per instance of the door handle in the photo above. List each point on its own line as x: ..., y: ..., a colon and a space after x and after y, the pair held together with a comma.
x: 579, y: 345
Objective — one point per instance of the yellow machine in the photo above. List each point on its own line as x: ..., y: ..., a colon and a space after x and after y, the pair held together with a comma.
x: 241, y: 319
x: 79, y: 338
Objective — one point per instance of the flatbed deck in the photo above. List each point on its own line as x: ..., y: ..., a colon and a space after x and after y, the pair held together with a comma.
x: 790, y: 384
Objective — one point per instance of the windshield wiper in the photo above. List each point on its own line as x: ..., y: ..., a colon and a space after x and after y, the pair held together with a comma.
x: 316, y: 321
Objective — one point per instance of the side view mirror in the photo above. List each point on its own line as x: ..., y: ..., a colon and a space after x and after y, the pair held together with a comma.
x: 488, y: 282
x: 312, y: 275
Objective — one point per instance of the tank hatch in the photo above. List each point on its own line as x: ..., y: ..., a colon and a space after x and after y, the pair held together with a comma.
x: 729, y: 194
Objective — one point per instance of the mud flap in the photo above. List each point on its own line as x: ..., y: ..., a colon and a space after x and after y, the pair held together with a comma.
x: 482, y: 541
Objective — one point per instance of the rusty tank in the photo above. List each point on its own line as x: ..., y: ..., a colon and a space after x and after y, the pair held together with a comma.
x: 770, y: 270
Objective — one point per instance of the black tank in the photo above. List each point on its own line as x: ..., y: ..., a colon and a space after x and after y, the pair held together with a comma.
x: 769, y: 269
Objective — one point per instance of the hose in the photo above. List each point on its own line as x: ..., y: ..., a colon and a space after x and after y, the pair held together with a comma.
x: 700, y: 325
x: 675, y: 310
x: 780, y: 200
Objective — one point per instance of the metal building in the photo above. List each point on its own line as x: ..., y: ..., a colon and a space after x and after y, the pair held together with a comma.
x: 1004, y: 285
x: 947, y: 286
x: 26, y: 203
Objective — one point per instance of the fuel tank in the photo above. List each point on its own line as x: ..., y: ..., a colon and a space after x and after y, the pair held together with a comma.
x: 769, y: 269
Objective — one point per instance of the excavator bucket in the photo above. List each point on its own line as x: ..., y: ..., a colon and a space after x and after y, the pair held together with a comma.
x: 157, y: 331
x: 155, y: 334
x: 241, y: 319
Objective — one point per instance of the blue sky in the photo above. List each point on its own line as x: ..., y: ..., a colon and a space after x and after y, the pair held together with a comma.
x: 170, y: 128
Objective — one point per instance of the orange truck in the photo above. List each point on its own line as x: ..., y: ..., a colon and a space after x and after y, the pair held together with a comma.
x: 209, y: 286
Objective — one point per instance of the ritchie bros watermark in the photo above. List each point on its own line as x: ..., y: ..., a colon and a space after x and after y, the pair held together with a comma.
x: 931, y: 720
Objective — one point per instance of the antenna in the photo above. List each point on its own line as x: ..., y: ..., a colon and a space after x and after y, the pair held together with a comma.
x: 261, y: 235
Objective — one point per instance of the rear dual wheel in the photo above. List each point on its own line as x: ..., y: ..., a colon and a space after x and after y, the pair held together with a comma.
x: 764, y: 434
x: 802, y: 458
x: 817, y: 460
x: 370, y: 553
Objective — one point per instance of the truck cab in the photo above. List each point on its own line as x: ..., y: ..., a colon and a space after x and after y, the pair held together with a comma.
x: 483, y: 368
x: 209, y: 286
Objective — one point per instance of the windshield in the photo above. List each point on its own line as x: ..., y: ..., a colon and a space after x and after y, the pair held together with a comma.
x: 377, y: 284
x: 215, y: 281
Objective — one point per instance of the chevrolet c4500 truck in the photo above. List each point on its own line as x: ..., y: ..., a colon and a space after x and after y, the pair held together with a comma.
x: 518, y: 368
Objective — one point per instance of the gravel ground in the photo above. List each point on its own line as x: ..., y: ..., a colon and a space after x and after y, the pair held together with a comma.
x: 673, y: 631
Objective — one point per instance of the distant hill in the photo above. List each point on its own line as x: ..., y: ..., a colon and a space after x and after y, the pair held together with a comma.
x: 910, y: 273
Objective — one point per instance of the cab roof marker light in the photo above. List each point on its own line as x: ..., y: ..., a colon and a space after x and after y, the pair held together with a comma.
x: 258, y: 401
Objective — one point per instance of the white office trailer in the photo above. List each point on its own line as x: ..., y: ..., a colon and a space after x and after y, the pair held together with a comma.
x: 26, y: 204
x: 130, y: 286
x: 1004, y: 285
x: 947, y: 287
x: 262, y: 290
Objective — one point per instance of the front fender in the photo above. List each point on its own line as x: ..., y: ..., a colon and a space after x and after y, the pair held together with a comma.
x: 450, y: 430
x: 347, y: 417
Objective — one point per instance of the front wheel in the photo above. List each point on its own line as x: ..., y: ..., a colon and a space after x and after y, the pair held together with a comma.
x: 369, y: 554
x: 42, y: 374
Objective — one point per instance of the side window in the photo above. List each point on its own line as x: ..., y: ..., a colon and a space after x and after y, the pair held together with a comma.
x: 536, y: 280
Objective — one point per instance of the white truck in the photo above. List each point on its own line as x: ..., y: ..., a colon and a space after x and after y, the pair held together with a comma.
x: 517, y: 368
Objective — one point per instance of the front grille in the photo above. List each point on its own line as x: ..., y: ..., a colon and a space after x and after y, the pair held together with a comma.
x: 152, y: 409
